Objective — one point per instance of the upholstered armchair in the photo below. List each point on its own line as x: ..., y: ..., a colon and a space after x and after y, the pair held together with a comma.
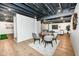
x: 35, y: 37
x: 55, y: 37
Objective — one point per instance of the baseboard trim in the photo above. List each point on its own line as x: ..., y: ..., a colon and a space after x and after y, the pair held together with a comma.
x: 24, y: 40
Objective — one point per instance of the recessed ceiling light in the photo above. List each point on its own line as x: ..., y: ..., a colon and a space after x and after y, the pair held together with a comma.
x: 59, y: 10
x: 35, y: 17
x: 9, y: 9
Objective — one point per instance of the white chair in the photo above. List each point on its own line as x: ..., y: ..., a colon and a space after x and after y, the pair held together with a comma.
x: 35, y: 37
x: 55, y: 37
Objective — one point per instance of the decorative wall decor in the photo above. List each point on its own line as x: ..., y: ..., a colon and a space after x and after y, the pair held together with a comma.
x: 54, y: 26
x: 75, y: 21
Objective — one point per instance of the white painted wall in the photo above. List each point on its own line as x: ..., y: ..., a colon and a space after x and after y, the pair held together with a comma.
x: 25, y: 27
x: 15, y: 26
x: 75, y: 34
x: 75, y: 41
x: 3, y: 29
x: 44, y: 26
x: 61, y: 25
x: 37, y: 26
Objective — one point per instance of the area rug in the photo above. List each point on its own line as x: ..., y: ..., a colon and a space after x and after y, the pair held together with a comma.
x: 46, y: 51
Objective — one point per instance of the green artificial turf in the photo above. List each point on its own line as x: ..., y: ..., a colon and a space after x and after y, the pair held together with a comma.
x: 3, y: 37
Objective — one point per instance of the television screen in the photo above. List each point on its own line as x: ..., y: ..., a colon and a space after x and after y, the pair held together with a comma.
x: 54, y: 26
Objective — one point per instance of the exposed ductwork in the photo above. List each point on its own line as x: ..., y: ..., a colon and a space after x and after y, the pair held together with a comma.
x: 40, y: 10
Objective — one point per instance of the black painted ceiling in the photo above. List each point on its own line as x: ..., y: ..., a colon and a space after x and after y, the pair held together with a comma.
x: 37, y: 10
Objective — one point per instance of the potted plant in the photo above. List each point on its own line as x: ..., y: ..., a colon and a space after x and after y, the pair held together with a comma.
x: 3, y: 36
x: 68, y: 28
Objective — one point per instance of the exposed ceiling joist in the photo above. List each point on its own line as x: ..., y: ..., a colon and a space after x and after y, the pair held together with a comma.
x: 44, y: 8
x: 32, y: 6
x: 5, y: 7
x: 49, y: 8
x: 21, y: 5
x: 57, y: 15
x: 40, y: 10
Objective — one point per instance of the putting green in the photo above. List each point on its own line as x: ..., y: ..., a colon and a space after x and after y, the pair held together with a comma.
x: 3, y: 36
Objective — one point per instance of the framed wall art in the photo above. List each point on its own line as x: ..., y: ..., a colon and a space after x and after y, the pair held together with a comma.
x: 75, y: 21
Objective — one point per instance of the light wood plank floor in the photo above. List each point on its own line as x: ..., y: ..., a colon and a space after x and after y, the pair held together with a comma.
x: 65, y: 47
x: 9, y: 47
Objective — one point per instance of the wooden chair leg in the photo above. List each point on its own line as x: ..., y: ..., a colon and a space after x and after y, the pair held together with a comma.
x: 56, y: 41
x: 34, y: 41
x: 42, y: 40
x: 52, y: 44
x: 39, y: 41
x: 45, y: 44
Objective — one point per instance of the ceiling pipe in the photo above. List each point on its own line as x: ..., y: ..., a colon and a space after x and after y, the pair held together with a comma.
x: 60, y: 6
